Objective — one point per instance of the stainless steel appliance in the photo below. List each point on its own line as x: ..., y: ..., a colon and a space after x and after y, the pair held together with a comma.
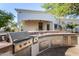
x: 43, y: 43
x: 22, y: 42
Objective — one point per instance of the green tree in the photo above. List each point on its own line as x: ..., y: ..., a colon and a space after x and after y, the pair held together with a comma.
x: 71, y: 26
x: 5, y: 18
x: 7, y: 21
x: 62, y: 9
x: 12, y: 27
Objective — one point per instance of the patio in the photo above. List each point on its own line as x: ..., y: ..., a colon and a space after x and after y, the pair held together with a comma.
x: 58, y: 51
x: 42, y: 44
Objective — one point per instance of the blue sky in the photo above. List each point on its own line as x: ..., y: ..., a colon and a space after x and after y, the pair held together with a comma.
x: 11, y: 7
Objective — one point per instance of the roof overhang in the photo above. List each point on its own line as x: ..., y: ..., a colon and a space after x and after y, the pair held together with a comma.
x: 24, y: 14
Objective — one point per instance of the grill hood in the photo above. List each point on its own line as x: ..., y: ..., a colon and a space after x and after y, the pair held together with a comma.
x: 20, y: 36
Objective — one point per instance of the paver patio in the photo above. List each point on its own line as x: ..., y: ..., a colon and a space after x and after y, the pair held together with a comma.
x: 59, y: 51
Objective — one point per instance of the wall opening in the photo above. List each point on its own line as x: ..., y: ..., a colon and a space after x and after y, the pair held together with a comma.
x: 48, y: 26
x: 40, y: 25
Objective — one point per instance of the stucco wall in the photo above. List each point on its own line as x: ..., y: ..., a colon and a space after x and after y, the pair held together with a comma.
x: 60, y: 40
x: 53, y: 40
x: 24, y: 14
x: 30, y: 26
x: 33, y: 25
x: 31, y: 15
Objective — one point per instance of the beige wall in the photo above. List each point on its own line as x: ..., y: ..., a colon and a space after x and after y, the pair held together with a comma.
x: 45, y: 42
x: 30, y: 26
x: 70, y: 40
x: 33, y: 25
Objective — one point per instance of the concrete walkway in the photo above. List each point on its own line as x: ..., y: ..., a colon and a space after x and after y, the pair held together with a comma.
x: 73, y: 51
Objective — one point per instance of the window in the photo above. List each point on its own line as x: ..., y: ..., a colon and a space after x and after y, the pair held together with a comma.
x: 40, y: 26
x: 48, y: 26
x: 55, y: 26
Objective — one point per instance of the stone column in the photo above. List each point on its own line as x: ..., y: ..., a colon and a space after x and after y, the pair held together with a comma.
x: 69, y: 40
x: 52, y: 26
x: 78, y: 40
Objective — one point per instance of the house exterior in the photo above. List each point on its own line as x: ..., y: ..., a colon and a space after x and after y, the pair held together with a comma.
x: 31, y: 20
x: 64, y: 21
x: 68, y: 21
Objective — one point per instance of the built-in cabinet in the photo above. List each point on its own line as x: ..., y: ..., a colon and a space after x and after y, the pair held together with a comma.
x: 70, y: 40
x: 24, y: 52
x: 57, y: 41
x: 43, y: 45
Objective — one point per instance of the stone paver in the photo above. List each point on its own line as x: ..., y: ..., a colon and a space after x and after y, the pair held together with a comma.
x: 73, y: 51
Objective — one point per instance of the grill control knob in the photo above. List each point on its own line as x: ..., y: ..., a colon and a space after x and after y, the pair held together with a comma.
x: 20, y: 46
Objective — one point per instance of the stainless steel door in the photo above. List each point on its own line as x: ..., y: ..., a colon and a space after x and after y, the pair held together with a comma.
x: 24, y: 52
x: 73, y: 40
x: 43, y: 45
x: 57, y: 41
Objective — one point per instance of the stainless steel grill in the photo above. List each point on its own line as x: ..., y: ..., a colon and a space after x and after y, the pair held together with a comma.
x: 22, y: 42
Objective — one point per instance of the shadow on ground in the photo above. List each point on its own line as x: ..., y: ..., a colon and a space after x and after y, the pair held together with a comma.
x: 59, y: 51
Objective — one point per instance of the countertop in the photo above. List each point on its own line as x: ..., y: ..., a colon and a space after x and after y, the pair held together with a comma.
x: 4, y: 44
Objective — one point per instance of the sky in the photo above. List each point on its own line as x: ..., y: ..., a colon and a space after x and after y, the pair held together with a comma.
x: 10, y: 7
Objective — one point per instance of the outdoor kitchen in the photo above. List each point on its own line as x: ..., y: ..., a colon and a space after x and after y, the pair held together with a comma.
x: 26, y: 44
x: 5, y: 44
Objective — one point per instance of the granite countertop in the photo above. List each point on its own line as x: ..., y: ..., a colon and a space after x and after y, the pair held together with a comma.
x: 48, y: 34
x: 4, y: 44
